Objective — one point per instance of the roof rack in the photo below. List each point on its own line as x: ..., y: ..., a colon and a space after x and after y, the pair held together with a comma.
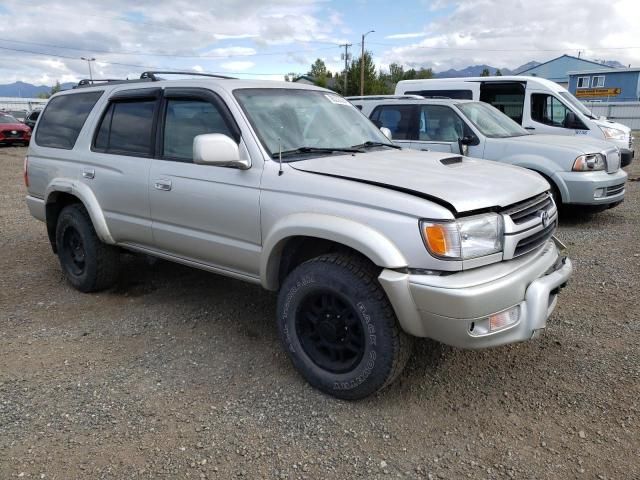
x: 90, y: 82
x: 386, y: 97
x: 151, y: 75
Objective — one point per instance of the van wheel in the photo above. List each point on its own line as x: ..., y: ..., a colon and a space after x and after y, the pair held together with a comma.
x: 339, y: 328
x: 88, y: 264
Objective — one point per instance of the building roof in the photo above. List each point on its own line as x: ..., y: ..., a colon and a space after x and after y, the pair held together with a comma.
x: 613, y: 70
x: 557, y: 68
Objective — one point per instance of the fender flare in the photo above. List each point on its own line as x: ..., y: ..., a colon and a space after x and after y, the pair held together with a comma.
x: 83, y: 193
x: 369, y: 242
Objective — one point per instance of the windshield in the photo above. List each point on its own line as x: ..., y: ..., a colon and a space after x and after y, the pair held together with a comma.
x: 306, y: 121
x: 491, y: 121
x: 8, y: 119
x: 577, y: 104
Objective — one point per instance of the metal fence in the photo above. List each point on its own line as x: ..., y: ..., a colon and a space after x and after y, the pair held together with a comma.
x: 9, y: 104
x: 627, y: 113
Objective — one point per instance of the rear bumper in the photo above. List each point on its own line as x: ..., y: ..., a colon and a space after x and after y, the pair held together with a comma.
x: 591, y: 188
x: 37, y: 208
x: 455, y: 309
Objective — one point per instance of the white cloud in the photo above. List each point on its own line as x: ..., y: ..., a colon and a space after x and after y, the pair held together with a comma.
x: 398, y: 36
x: 231, y: 52
x: 237, y: 66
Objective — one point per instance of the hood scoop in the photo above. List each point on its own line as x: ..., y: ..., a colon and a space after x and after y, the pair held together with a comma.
x: 451, y: 161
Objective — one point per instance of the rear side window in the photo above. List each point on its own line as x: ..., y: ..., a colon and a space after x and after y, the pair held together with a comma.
x: 397, y: 118
x: 63, y: 119
x: 127, y: 128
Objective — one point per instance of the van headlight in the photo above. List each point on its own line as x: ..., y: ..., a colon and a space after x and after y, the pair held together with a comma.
x: 613, y: 133
x: 464, y: 238
x: 589, y: 163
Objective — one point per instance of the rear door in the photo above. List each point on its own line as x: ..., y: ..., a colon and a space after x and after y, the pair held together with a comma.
x: 401, y: 119
x: 203, y: 213
x: 118, y: 169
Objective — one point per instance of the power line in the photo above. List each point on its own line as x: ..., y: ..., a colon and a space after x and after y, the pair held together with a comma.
x: 150, y: 67
x: 169, y: 55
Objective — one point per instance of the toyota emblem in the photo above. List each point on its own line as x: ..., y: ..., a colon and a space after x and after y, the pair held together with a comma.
x: 544, y: 217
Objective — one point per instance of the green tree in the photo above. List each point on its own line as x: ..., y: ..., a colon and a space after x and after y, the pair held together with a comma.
x: 498, y: 73
x: 424, y: 73
x: 55, y: 89
x: 372, y: 84
x: 485, y: 72
x: 396, y: 73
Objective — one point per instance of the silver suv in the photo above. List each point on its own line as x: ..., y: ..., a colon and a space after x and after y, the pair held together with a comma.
x: 291, y: 187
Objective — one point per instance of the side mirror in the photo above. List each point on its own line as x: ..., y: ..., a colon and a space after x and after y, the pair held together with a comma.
x: 387, y: 132
x: 218, y: 150
x: 464, y: 142
x: 570, y: 120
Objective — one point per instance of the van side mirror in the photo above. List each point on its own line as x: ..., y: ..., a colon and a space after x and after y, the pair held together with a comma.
x: 570, y: 120
x: 387, y: 132
x: 217, y: 150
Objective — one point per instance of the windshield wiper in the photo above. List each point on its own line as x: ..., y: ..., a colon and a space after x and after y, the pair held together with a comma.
x: 369, y: 144
x: 295, y: 151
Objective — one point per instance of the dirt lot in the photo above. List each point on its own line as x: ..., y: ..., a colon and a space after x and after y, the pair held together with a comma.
x: 178, y: 373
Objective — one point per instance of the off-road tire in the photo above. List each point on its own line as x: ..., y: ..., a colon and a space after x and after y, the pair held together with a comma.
x: 101, y: 261
x: 353, y: 281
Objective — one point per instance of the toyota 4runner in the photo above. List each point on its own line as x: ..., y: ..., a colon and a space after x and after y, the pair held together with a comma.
x: 291, y: 187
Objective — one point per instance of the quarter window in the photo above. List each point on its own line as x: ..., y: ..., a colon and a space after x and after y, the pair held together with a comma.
x: 127, y: 128
x: 63, y: 118
x: 184, y: 120
x: 583, y: 82
x: 598, y: 81
x: 396, y: 118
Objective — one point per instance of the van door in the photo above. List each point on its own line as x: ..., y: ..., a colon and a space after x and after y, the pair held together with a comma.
x: 508, y: 97
x: 546, y: 113
x: 399, y: 119
x: 203, y: 213
x: 439, y: 129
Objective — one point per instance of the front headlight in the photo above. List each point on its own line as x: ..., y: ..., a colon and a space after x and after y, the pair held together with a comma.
x: 589, y: 163
x: 613, y: 133
x: 465, y: 238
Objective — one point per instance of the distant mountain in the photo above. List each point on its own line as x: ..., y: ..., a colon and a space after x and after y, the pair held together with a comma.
x: 476, y: 70
x: 27, y: 90
x: 524, y: 67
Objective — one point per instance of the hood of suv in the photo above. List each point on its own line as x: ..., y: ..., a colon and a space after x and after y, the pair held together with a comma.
x: 466, y: 185
x: 580, y: 145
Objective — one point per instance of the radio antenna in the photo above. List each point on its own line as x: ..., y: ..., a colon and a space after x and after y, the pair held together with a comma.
x: 280, y: 172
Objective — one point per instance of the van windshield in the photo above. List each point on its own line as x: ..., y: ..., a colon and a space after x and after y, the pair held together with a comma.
x: 577, y: 104
x: 307, y: 122
x: 491, y: 121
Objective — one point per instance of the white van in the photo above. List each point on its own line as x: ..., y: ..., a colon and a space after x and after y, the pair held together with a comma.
x: 539, y: 105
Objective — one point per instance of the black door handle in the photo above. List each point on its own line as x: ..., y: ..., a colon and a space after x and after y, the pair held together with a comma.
x: 529, y: 128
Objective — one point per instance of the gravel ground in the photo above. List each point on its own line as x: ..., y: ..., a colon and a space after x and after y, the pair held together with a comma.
x: 177, y: 373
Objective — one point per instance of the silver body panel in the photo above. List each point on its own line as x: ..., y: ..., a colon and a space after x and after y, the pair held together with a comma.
x: 237, y: 222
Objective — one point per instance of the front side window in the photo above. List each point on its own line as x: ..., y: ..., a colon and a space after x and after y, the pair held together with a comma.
x: 440, y: 124
x: 583, y: 82
x: 549, y: 110
x: 396, y: 118
x: 185, y: 119
x: 490, y: 121
x: 63, y: 118
x: 126, y: 128
x: 289, y: 119
x: 598, y: 81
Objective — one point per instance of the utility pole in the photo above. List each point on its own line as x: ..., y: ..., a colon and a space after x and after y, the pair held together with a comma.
x: 362, y: 63
x: 89, y: 60
x: 346, y: 65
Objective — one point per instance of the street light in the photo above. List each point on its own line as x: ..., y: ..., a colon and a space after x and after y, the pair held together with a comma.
x: 89, y: 60
x: 362, y: 63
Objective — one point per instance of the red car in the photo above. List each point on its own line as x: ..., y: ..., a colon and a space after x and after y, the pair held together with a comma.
x: 12, y: 131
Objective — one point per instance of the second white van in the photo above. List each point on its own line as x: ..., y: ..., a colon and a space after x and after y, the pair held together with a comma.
x: 539, y: 105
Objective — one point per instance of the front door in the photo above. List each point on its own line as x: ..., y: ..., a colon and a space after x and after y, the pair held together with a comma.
x: 203, y: 213
x: 549, y: 115
x: 399, y: 119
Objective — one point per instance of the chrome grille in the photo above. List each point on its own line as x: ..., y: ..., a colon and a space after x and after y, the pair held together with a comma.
x: 528, y: 225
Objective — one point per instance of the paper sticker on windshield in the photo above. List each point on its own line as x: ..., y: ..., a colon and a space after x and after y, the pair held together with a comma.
x: 336, y: 99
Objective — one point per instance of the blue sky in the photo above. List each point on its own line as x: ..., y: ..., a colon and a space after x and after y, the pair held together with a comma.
x: 42, y: 41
